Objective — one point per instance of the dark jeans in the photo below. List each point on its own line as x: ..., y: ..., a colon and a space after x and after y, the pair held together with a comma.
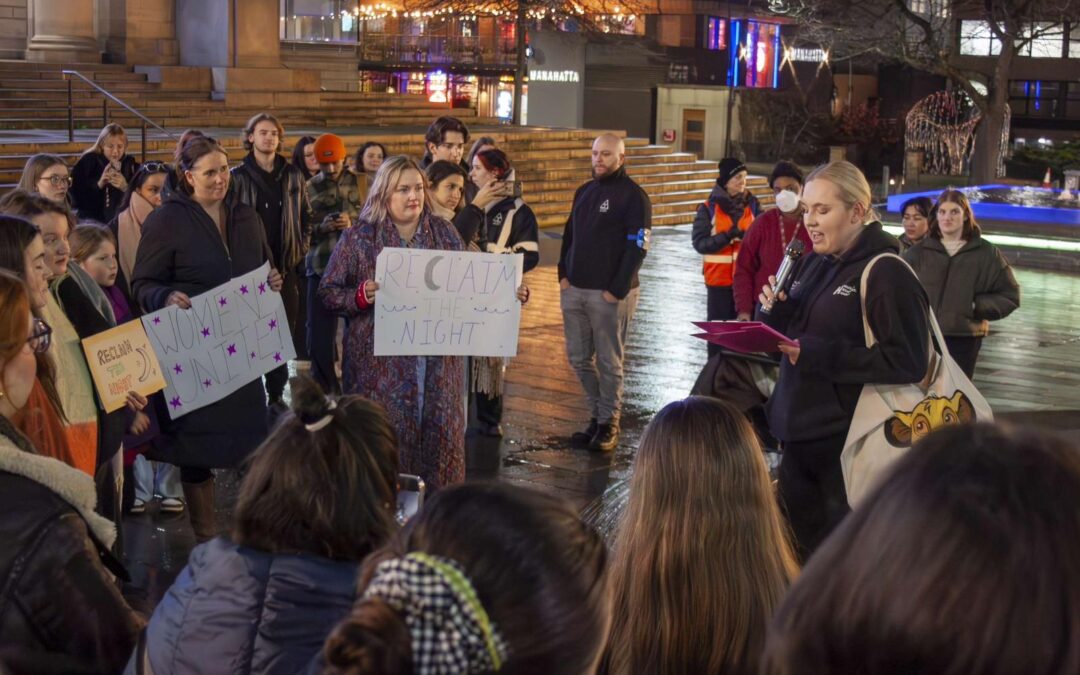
x: 721, y: 307
x: 811, y: 487
x: 488, y: 409
x: 321, y: 326
x: 965, y: 351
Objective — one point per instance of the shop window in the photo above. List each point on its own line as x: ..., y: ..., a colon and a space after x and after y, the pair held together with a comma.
x: 1045, y: 41
x: 976, y: 39
x: 755, y: 54
x: 318, y: 20
x: 715, y: 33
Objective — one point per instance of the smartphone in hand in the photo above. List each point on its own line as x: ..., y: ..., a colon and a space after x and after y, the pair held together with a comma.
x: 410, y: 496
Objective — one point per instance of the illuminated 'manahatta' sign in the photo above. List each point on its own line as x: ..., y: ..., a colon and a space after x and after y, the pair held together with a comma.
x: 554, y: 76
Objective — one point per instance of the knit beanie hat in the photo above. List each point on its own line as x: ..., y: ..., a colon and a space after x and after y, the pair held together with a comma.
x: 785, y: 170
x: 329, y: 148
x: 729, y: 166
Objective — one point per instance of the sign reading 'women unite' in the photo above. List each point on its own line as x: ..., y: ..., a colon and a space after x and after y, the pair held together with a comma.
x: 231, y: 335
x: 446, y: 303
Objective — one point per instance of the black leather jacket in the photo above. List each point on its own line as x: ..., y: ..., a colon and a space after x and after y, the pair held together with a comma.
x: 60, y: 607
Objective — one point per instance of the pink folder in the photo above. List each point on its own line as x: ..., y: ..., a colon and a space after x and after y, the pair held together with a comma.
x: 742, y: 336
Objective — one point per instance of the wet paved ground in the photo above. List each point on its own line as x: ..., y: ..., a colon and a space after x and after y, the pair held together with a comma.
x: 1029, y: 370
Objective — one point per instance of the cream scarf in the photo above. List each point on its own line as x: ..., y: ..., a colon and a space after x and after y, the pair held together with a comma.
x: 129, y: 231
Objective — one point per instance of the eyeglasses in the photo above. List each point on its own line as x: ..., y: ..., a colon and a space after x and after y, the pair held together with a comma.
x: 57, y: 180
x: 41, y: 337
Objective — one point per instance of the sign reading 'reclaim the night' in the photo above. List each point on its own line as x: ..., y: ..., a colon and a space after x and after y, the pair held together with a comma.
x: 554, y: 76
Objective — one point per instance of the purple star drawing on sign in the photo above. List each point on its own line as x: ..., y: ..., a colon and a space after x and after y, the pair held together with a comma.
x: 262, y: 288
x: 253, y: 355
x: 277, y: 357
x: 157, y: 320
x: 178, y: 369
x: 243, y: 290
x: 206, y: 332
x: 232, y: 349
x: 206, y: 383
x: 222, y: 302
x: 273, y: 324
x: 175, y: 402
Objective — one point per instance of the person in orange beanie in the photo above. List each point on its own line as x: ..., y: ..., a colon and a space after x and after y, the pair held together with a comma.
x: 335, y: 195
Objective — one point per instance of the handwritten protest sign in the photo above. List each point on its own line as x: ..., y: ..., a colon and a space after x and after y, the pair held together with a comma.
x: 446, y: 303
x: 122, y: 360
x: 232, y: 335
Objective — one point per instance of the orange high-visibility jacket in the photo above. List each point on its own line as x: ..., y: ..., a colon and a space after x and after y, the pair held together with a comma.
x: 719, y: 267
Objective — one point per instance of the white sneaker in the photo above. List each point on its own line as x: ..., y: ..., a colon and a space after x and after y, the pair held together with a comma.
x: 137, y: 506
x: 172, y: 505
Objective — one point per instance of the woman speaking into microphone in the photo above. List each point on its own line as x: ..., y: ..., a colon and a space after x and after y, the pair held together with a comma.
x: 823, y: 374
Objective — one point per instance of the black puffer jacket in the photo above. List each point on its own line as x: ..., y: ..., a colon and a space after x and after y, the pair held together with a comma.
x: 182, y: 250
x: 816, y: 398
x: 967, y: 290
x: 60, y: 608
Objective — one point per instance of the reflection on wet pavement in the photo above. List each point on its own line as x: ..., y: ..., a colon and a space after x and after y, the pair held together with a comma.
x: 1029, y: 370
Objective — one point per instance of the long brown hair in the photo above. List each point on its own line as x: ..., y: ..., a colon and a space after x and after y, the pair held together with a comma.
x: 329, y: 490
x: 970, y: 227
x: 539, y: 572
x: 16, y: 235
x: 963, y: 560
x: 702, y: 555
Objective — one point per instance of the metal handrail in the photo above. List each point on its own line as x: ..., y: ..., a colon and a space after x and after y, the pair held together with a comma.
x: 105, y: 110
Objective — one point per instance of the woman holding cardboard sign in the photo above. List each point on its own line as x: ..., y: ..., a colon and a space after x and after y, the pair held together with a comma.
x: 200, y: 238
x: 424, y: 395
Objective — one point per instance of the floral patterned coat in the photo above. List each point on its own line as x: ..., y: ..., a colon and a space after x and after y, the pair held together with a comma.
x: 430, y: 417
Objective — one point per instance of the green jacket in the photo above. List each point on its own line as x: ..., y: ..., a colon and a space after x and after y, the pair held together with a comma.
x: 345, y: 195
x: 967, y: 290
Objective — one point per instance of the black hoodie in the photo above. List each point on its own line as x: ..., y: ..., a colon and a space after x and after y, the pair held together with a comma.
x: 606, y: 235
x: 816, y: 398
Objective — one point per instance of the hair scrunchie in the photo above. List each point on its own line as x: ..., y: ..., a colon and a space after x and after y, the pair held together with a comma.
x: 450, y: 630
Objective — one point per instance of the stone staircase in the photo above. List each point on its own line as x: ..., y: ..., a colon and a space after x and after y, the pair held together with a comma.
x: 34, y: 96
x: 551, y: 163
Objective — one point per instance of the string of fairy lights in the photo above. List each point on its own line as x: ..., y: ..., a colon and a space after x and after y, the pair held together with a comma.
x: 572, y: 10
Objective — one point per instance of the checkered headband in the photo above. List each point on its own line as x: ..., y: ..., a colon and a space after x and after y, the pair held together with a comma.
x: 451, y: 633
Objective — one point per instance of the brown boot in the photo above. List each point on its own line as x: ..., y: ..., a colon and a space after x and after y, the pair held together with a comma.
x: 200, y: 504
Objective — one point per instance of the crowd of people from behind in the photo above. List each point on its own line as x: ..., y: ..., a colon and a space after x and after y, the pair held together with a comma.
x: 318, y: 574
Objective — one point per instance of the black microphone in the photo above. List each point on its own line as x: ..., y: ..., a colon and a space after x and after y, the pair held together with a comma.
x: 791, y: 256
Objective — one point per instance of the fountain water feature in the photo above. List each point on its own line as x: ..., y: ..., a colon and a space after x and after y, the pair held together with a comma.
x: 1009, y: 203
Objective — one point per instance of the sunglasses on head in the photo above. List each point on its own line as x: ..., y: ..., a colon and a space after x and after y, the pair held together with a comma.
x: 155, y: 167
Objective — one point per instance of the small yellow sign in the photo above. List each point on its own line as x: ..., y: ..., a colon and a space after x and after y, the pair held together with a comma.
x: 122, y: 360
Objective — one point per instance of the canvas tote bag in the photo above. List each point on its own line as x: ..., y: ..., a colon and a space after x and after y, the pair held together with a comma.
x: 890, y: 417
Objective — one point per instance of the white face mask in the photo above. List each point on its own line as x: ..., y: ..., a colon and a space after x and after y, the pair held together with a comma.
x: 787, y: 201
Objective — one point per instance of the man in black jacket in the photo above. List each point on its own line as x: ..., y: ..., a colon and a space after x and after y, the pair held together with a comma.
x: 604, y: 244
x: 275, y: 188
